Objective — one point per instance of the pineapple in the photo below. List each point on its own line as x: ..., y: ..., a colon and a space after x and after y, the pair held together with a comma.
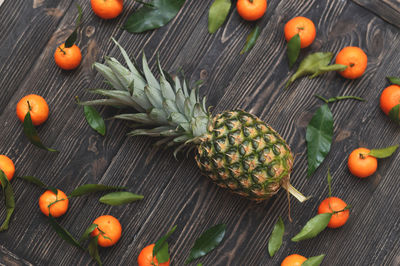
x: 235, y: 149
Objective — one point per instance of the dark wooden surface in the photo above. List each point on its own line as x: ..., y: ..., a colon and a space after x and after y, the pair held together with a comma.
x: 174, y: 190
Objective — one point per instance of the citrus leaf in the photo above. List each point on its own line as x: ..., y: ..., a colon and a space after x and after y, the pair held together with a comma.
x: 152, y: 17
x: 94, y: 119
x: 207, y: 242
x: 94, y: 250
x: 92, y: 188
x: 394, y: 80
x: 120, y: 198
x: 313, y: 227
x: 314, y: 261
x: 217, y: 14
x: 319, y: 137
x: 324, y: 69
x: 8, y: 200
x: 63, y: 233
x: 87, y: 232
x: 251, y: 39
x: 72, y: 38
x: 383, y: 153
x: 34, y: 180
x: 199, y: 264
x: 160, y: 250
x: 293, y: 49
x: 275, y: 240
x: 32, y: 135
x: 394, y: 113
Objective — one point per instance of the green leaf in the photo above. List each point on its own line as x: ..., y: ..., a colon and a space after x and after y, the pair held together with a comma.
x: 72, y: 38
x: 94, y: 250
x: 313, y: 227
x: 92, y: 188
x: 293, y: 49
x: 315, y: 64
x: 383, y: 153
x: 94, y: 119
x: 394, y: 80
x: 160, y: 250
x: 207, y: 242
x: 120, y: 198
x: 394, y: 114
x: 219, y: 10
x: 63, y: 233
x: 8, y: 200
x: 339, y: 98
x: 34, y: 180
x: 149, y: 18
x: 87, y: 232
x: 251, y: 39
x: 199, y: 264
x: 275, y: 240
x: 314, y: 261
x: 319, y: 137
x: 32, y: 135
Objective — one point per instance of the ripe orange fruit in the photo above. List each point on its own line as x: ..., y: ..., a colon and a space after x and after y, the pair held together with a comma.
x: 355, y: 59
x: 146, y: 257
x: 360, y: 164
x: 107, y: 9
x: 304, y: 27
x: 7, y: 166
x: 57, y: 209
x: 39, y: 109
x: 390, y: 97
x: 334, y: 204
x: 109, y: 227
x: 68, y: 58
x: 251, y: 10
x: 293, y: 260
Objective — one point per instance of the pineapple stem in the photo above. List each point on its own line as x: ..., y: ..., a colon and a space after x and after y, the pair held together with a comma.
x: 295, y: 193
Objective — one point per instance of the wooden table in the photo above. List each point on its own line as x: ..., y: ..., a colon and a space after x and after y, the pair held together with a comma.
x: 174, y: 190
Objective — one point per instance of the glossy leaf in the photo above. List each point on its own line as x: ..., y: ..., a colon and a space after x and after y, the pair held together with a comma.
x: 120, y: 198
x: 149, y: 18
x: 92, y: 188
x: 63, y: 233
x: 319, y: 137
x: 394, y: 80
x: 34, y: 180
x: 8, y: 200
x: 313, y: 227
x: 160, y: 250
x: 314, y: 261
x: 217, y: 14
x: 275, y: 240
x: 94, y: 119
x: 87, y: 232
x: 32, y: 135
x: 251, y: 39
x: 93, y: 249
x: 315, y: 64
x: 293, y: 49
x: 72, y: 38
x: 383, y: 153
x: 394, y: 113
x: 209, y: 240
x: 340, y: 98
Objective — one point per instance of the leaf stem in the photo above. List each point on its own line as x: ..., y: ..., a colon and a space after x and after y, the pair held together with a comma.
x: 339, y: 98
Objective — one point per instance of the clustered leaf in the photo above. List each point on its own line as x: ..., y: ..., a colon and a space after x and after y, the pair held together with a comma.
x: 32, y: 135
x: 8, y: 200
x: 383, y: 153
x: 94, y: 119
x: 217, y: 14
x: 293, y: 49
x: 313, y: 227
x: 275, y: 240
x: 251, y: 39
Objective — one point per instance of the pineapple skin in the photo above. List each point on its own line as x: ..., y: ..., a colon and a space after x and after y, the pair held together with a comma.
x: 244, y: 154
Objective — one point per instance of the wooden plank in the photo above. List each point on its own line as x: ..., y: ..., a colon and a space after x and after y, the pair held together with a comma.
x: 7, y: 258
x: 388, y: 10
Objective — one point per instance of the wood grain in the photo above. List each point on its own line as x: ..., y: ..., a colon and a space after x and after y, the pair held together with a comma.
x: 388, y: 10
x: 174, y: 190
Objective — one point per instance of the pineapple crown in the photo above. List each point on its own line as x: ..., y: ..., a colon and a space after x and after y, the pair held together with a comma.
x: 165, y: 108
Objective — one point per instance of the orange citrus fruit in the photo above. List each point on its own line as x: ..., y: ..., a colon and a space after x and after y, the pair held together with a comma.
x: 334, y: 204
x: 302, y: 26
x: 360, y: 164
x: 355, y: 59
x: 293, y: 260
x: 390, y: 97
x: 7, y: 166
x: 109, y: 230
x: 58, y: 208
x: 251, y: 10
x: 68, y: 58
x: 107, y: 9
x: 37, y: 106
x: 146, y: 257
